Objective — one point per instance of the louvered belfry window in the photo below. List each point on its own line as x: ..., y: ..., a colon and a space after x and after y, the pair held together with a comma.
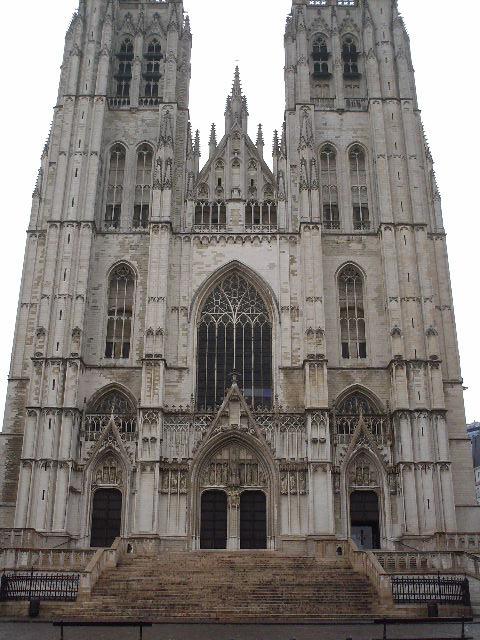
x: 234, y: 337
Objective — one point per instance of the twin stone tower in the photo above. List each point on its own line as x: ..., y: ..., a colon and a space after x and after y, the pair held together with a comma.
x: 236, y: 356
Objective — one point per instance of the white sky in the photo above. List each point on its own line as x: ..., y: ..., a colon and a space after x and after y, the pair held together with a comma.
x: 444, y: 43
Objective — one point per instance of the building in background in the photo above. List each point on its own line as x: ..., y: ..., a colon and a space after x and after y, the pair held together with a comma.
x: 473, y: 431
x: 236, y: 355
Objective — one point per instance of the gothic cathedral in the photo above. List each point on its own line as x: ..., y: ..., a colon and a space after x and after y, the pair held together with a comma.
x: 242, y: 355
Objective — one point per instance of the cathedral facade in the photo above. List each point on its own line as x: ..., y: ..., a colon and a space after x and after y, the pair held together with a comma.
x: 236, y: 355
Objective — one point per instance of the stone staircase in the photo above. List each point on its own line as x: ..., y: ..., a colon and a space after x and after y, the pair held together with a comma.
x: 226, y: 587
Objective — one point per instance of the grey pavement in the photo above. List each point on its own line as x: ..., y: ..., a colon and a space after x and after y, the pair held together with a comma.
x: 44, y: 631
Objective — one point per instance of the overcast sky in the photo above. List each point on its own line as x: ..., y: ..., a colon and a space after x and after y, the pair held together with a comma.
x: 444, y: 40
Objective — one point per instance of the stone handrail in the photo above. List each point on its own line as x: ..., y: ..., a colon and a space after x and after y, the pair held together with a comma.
x: 102, y: 559
x: 44, y: 559
x: 429, y: 561
x: 367, y: 564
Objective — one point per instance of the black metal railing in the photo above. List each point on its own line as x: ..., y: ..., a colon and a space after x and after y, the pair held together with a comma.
x: 38, y: 585
x: 439, y: 589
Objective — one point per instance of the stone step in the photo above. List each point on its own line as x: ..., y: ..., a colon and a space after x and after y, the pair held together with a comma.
x: 226, y: 586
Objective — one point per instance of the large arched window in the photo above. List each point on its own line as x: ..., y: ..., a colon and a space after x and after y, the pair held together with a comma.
x: 116, y: 176
x: 143, y: 187
x: 328, y: 164
x: 234, y: 336
x: 358, y: 180
x: 124, y: 71
x: 352, y: 313
x: 121, y: 292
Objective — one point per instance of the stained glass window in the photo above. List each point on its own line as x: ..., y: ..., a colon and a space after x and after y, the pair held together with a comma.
x: 234, y: 337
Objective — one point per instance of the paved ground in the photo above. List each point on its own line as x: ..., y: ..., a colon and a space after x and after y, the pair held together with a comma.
x: 41, y: 631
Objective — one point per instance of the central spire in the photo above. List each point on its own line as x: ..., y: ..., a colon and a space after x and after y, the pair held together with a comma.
x: 236, y: 112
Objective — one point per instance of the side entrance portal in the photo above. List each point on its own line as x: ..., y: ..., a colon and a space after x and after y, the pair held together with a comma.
x: 253, y: 520
x: 365, y: 519
x: 214, y: 520
x: 106, y: 517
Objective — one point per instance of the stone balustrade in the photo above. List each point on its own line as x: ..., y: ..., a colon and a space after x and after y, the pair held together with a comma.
x: 402, y: 562
x: 45, y: 559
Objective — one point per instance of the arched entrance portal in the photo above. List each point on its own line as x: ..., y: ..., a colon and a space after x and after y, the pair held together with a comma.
x: 365, y: 519
x: 253, y: 520
x: 232, y: 497
x: 213, y: 534
x: 106, y: 517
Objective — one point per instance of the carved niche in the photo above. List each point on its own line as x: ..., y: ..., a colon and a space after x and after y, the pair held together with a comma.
x: 108, y: 473
x: 234, y: 466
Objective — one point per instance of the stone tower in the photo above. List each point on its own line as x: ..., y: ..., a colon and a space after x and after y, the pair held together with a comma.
x: 236, y: 356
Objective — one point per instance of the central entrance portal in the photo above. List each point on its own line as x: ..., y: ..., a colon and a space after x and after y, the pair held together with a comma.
x: 213, y: 533
x: 253, y: 520
x: 365, y: 519
x: 234, y: 503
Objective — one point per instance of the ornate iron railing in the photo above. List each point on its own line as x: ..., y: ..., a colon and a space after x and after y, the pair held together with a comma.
x: 438, y: 589
x: 38, y: 585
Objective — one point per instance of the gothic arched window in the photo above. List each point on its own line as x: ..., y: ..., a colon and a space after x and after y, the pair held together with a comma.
x: 151, y: 75
x: 143, y: 187
x: 124, y: 70
x: 114, y: 402
x: 234, y: 335
x: 320, y: 55
x: 347, y: 413
x: 121, y: 292
x: 116, y: 176
x: 358, y: 180
x: 352, y: 313
x: 328, y: 165
x: 350, y: 57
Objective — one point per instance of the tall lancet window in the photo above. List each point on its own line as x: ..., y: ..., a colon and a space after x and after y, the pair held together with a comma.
x: 234, y: 336
x: 352, y: 313
x: 121, y: 292
x: 328, y: 163
x: 358, y: 179
x: 124, y: 71
x: 143, y: 187
x: 153, y: 57
x: 116, y: 176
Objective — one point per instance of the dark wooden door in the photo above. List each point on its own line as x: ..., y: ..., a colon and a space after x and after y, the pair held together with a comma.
x: 253, y: 520
x: 106, y: 517
x: 213, y: 532
x: 365, y: 519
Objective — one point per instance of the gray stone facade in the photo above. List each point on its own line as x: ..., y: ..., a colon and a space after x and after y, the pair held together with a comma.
x: 352, y: 191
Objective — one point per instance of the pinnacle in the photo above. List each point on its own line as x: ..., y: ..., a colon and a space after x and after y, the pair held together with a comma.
x: 237, y: 85
x: 260, y: 139
x: 213, y: 135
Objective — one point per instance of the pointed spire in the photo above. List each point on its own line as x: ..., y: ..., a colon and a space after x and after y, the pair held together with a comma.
x: 283, y: 142
x: 236, y: 111
x: 237, y: 85
x: 260, y: 143
x: 276, y: 144
x: 213, y: 140
x: 186, y: 26
x: 196, y: 146
x: 189, y: 139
